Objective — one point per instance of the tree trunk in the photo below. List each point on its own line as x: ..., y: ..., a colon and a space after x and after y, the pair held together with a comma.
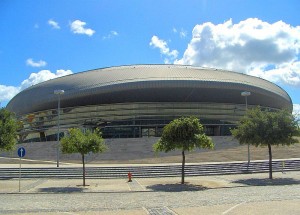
x: 182, y: 168
x: 83, y: 169
x: 270, y: 161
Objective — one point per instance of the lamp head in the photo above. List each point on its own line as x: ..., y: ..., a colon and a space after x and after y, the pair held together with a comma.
x: 245, y: 93
x: 59, y: 92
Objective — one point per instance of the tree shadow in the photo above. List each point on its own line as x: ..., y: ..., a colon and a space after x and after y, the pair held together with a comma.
x: 268, y: 182
x: 61, y: 189
x: 176, y: 187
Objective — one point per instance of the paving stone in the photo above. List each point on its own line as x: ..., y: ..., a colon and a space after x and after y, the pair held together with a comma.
x: 160, y: 211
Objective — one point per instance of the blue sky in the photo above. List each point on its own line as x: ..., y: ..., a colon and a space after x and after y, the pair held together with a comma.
x: 45, y: 39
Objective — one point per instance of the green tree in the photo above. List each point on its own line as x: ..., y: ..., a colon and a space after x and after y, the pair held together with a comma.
x: 8, y: 130
x: 185, y: 134
x: 266, y: 128
x: 83, y: 143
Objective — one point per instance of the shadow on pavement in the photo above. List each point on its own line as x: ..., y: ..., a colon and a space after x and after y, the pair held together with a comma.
x: 268, y: 182
x: 176, y: 187
x: 61, y: 189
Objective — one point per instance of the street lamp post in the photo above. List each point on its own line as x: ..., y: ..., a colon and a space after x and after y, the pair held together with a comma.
x: 58, y: 93
x: 246, y: 94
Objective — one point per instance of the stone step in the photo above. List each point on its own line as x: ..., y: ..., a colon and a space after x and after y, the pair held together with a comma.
x: 149, y: 171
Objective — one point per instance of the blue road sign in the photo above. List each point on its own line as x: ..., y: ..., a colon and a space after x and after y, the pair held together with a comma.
x: 21, y: 152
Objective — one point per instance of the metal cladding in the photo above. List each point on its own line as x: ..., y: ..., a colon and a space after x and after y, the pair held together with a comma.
x: 150, y: 83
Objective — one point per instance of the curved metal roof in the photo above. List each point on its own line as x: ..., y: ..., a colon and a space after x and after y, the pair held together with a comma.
x: 150, y: 83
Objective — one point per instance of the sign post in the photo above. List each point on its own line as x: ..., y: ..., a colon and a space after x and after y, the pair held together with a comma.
x: 21, y: 153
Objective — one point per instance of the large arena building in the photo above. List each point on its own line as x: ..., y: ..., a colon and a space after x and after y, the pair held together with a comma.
x: 139, y: 100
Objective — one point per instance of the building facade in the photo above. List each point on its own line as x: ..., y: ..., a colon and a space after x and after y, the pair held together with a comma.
x: 139, y: 100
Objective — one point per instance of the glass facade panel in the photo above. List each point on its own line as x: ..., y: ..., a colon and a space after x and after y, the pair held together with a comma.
x: 130, y: 119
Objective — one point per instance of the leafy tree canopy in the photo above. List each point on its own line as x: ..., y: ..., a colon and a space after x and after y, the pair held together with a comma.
x: 8, y: 130
x: 83, y: 143
x: 185, y: 133
x: 261, y: 127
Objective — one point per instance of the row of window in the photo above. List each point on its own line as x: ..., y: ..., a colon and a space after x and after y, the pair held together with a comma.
x: 127, y: 120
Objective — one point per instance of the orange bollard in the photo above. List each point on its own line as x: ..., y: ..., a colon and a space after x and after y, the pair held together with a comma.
x: 129, y: 177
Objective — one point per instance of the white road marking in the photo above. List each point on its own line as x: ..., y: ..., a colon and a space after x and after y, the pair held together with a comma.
x: 233, y: 207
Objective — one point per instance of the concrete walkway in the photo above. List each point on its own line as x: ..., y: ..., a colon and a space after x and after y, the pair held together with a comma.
x: 225, y: 194
x: 165, y: 184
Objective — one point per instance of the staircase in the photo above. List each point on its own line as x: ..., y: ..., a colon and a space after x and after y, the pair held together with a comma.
x: 151, y: 171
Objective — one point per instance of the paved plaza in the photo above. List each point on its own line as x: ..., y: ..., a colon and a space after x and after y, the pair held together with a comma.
x: 223, y: 194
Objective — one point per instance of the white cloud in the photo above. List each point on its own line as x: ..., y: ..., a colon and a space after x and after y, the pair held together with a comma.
x: 296, y: 112
x: 42, y: 76
x: 182, y: 33
x: 114, y: 33
x: 53, y: 24
x: 110, y: 35
x: 8, y: 92
x: 62, y: 72
x: 31, y: 62
x: 286, y: 73
x: 164, y: 49
x: 77, y: 27
x: 251, y: 46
